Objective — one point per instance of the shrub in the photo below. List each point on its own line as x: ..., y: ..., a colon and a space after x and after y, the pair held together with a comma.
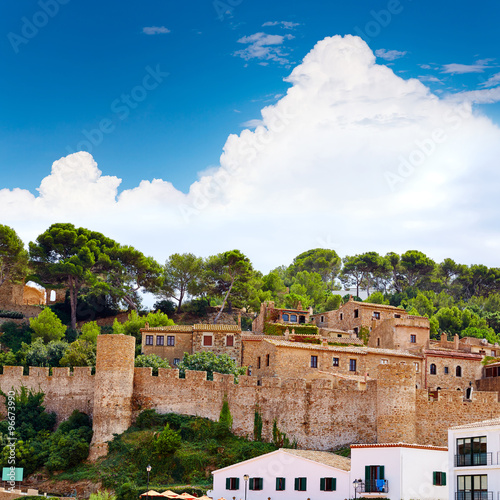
x: 168, y: 441
x: 47, y: 326
x: 151, y: 360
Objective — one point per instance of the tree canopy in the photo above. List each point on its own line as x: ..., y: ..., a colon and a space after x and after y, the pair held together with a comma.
x: 13, y: 256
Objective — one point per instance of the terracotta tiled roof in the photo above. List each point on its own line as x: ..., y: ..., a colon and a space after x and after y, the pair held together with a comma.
x: 452, y: 353
x: 194, y: 328
x: 484, y: 423
x: 322, y: 457
x: 400, y: 445
x: 171, y: 328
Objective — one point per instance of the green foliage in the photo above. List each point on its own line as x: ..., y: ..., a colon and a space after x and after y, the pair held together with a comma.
x: 40, y: 354
x: 211, y: 363
x: 102, y: 495
x: 8, y: 359
x: 13, y: 256
x: 324, y: 262
x: 165, y: 306
x: 293, y: 300
x: 127, y: 491
x: 377, y: 298
x: 278, y: 329
x: 280, y: 439
x: 11, y: 314
x: 225, y: 417
x: 135, y: 322
x: 14, y: 335
x: 47, y: 326
x: 364, y: 334
x: 151, y: 360
x: 257, y: 425
x: 332, y: 302
x: 79, y: 353
x: 90, y: 331
x: 198, y: 307
x: 167, y: 441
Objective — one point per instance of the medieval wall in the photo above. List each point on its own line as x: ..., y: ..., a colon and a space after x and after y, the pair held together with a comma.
x: 64, y: 391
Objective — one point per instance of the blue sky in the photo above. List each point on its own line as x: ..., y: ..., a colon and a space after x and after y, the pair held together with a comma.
x: 209, y: 68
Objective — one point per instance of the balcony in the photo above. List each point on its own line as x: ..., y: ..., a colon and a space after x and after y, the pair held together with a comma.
x: 474, y: 495
x: 473, y: 459
x: 375, y: 486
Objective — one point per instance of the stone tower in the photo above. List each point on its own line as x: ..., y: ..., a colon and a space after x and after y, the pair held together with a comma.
x: 396, y: 404
x: 114, y: 384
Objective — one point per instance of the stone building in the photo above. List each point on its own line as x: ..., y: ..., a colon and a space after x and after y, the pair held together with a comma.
x: 171, y: 342
x: 277, y: 357
x: 21, y: 294
x: 271, y: 314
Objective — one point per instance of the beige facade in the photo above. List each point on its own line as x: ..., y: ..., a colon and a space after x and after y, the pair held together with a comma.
x: 172, y: 342
x: 271, y: 314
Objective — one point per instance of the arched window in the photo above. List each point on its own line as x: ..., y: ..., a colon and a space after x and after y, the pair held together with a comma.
x: 458, y: 371
x: 433, y: 369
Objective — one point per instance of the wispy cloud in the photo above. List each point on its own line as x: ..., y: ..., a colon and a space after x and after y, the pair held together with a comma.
x: 492, y: 81
x: 155, y: 30
x: 284, y: 24
x: 429, y: 78
x: 252, y: 123
x: 264, y: 47
x: 458, y: 69
x: 390, y: 55
x: 425, y: 66
x: 484, y: 96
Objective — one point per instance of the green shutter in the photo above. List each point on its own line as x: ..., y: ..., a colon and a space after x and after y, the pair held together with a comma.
x: 322, y: 484
x: 303, y: 480
x: 443, y: 478
x: 367, y: 473
x: 251, y: 483
x: 228, y: 483
x: 434, y: 478
x: 382, y: 472
x: 237, y: 486
x: 334, y: 484
x: 297, y: 484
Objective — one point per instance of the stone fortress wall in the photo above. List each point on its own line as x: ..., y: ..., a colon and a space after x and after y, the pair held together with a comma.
x: 321, y: 414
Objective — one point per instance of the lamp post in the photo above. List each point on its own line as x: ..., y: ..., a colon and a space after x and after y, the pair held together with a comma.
x: 246, y: 477
x: 356, y: 483
x: 148, y: 469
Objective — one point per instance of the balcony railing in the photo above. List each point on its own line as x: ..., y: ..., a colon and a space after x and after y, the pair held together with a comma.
x: 375, y: 486
x: 474, y: 495
x: 473, y: 459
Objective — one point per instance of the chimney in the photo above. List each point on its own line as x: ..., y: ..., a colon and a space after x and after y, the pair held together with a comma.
x: 239, y: 320
x: 456, y: 342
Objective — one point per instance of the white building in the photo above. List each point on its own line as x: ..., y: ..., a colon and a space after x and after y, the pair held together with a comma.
x: 399, y: 471
x: 474, y: 457
x: 285, y: 474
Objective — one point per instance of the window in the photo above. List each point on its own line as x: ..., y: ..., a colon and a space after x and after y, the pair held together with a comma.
x: 293, y: 318
x: 413, y: 339
x: 472, y: 451
x: 267, y: 359
x: 375, y: 481
x: 207, y: 340
x: 384, y: 361
x: 229, y: 340
x: 285, y: 317
x: 446, y: 370
x: 160, y: 340
x: 322, y: 319
x: 335, y: 362
x: 472, y: 487
x: 433, y: 370
x: 256, y: 483
x: 149, y: 340
x: 397, y: 315
x: 170, y: 340
x: 356, y: 331
x: 301, y: 483
x: 356, y: 313
x: 352, y: 365
x: 232, y: 483
x: 378, y: 341
x: 302, y: 319
x: 328, y: 484
x: 176, y: 361
x: 417, y: 366
x: 258, y: 362
x: 341, y: 316
x: 376, y: 315
x: 314, y: 361
x: 280, y: 484
x: 439, y: 478
x: 458, y: 371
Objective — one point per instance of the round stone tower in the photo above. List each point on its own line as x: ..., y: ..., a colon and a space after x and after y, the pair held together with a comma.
x: 114, y: 384
x: 396, y: 404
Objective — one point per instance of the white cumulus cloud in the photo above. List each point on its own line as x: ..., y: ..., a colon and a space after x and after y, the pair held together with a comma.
x: 352, y: 154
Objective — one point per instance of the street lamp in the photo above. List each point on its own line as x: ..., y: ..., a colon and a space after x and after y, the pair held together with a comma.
x: 356, y: 482
x: 246, y: 477
x: 148, y: 469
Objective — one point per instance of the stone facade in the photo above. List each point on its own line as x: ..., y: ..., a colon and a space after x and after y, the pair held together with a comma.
x: 320, y: 414
x: 19, y: 294
x: 410, y: 333
x: 270, y: 313
x: 172, y: 342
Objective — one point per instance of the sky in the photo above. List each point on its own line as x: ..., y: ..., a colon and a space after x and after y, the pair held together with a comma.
x: 271, y: 127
